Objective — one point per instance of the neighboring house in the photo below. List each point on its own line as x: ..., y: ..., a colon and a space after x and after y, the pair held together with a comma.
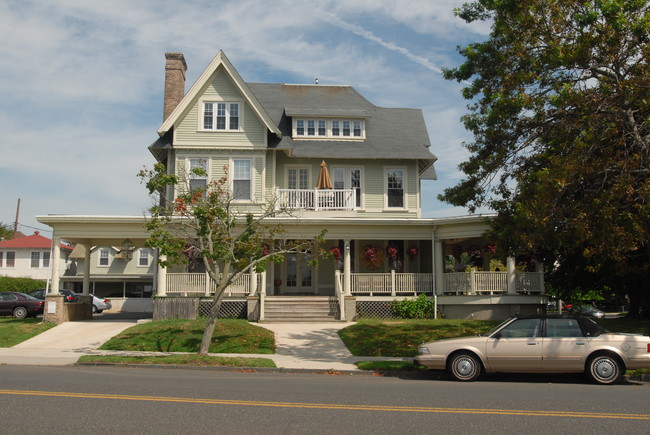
x: 125, y: 276
x: 29, y: 257
x: 274, y: 141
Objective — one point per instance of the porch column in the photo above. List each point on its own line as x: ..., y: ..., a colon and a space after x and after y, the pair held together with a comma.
x: 346, y: 267
x: 56, y: 254
x: 438, y: 268
x: 512, y: 276
x: 539, y: 268
x: 161, y: 290
x: 86, y: 282
x: 253, y: 283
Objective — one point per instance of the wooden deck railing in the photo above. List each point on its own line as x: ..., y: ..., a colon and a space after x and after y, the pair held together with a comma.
x: 316, y: 199
x: 492, y: 283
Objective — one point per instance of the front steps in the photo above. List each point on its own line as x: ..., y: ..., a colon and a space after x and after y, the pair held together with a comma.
x: 311, y: 309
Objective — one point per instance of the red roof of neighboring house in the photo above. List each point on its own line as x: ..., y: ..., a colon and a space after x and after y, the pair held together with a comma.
x: 34, y: 241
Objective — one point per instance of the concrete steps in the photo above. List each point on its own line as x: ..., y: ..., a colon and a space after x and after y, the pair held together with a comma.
x: 301, y: 309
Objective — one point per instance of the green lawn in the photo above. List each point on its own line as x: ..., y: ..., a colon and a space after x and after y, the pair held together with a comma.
x: 402, y: 337
x: 14, y: 331
x: 181, y: 335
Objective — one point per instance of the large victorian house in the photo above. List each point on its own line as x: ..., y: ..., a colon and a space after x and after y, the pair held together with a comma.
x: 339, y: 163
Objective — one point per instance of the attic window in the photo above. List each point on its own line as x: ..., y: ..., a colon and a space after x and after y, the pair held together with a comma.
x: 221, y: 116
x: 329, y: 128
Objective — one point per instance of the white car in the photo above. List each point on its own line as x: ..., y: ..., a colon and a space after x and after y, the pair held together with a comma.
x: 540, y: 344
x: 100, y: 305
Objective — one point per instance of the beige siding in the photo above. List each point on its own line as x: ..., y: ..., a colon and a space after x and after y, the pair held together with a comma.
x: 188, y: 132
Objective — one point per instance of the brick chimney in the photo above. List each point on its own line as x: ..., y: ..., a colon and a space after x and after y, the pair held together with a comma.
x: 174, y: 81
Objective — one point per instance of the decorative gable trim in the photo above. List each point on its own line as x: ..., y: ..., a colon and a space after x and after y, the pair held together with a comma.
x: 192, y: 95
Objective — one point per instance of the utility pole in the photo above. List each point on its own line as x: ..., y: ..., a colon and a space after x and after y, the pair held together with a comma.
x: 16, y: 221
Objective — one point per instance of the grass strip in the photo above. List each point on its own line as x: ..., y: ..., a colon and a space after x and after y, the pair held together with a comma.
x: 400, y: 338
x: 387, y: 366
x: 14, y: 331
x: 183, y: 335
x: 185, y: 360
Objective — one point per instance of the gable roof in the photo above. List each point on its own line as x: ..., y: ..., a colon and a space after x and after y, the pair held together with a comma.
x: 35, y: 241
x: 220, y: 60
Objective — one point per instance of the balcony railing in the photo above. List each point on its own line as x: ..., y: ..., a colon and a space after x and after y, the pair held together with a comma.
x: 492, y: 283
x: 316, y: 199
x: 199, y: 284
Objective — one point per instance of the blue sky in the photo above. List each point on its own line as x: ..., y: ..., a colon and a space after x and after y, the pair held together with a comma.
x: 82, y: 83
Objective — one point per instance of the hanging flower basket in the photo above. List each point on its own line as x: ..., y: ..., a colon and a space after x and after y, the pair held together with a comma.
x: 373, y: 257
x: 336, y: 252
x: 412, y: 252
x: 392, y: 252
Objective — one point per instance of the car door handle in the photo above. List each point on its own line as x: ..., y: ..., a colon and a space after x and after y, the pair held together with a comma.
x: 580, y: 343
x: 532, y: 343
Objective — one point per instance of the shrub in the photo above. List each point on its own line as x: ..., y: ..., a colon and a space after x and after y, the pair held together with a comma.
x: 22, y: 285
x: 418, y: 308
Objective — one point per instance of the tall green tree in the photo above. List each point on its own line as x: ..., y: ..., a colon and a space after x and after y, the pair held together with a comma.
x: 205, y: 224
x: 560, y: 114
x: 6, y: 231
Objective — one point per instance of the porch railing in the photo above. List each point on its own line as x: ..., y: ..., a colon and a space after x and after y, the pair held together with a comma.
x: 492, y: 283
x: 199, y: 284
x: 316, y: 199
x: 391, y: 284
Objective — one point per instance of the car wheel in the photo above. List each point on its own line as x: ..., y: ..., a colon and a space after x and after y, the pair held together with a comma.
x: 20, y: 312
x: 604, y: 369
x: 464, y: 367
x: 99, y: 311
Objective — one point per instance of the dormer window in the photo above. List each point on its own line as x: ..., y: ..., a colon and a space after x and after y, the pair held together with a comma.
x: 221, y: 116
x: 329, y: 128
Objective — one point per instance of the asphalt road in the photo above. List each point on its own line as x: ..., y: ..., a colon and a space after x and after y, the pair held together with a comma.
x: 112, y: 400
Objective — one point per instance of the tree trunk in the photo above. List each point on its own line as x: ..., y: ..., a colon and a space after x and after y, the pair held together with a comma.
x: 212, y: 322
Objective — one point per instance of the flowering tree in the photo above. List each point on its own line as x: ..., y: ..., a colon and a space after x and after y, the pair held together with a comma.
x: 205, y: 223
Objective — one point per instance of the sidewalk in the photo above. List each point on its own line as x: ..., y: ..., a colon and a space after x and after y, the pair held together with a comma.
x: 312, y: 346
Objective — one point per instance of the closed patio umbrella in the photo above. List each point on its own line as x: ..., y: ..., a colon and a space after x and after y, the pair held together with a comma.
x: 324, y: 180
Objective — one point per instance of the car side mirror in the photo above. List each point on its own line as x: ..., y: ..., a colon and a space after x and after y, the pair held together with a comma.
x: 497, y: 335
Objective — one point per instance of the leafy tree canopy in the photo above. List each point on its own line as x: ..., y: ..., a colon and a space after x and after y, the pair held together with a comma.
x: 6, y: 231
x: 560, y: 114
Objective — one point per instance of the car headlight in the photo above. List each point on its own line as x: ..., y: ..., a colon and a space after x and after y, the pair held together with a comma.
x: 423, y: 349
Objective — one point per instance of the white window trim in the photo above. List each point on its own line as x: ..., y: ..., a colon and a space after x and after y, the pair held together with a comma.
x: 347, y: 180
x: 38, y: 260
x: 149, y: 254
x: 99, y: 257
x: 6, y: 258
x: 231, y: 177
x: 328, y: 129
x: 297, y: 168
x: 188, y: 169
x: 201, y: 115
x: 404, y: 188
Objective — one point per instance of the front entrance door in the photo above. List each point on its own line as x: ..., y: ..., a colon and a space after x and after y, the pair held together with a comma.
x: 299, y: 274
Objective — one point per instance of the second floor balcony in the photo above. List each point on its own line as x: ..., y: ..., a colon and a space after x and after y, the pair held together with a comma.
x: 317, y: 199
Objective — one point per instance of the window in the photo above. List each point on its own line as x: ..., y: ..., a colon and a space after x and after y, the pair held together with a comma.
x: 198, y: 181
x: 334, y: 128
x: 143, y: 258
x: 563, y: 328
x: 36, y: 260
x: 11, y: 259
x: 221, y: 116
x: 395, y: 188
x: 242, y: 179
x: 523, y: 328
x: 338, y: 178
x: 103, y: 257
x: 297, y: 178
x: 1, y: 257
x: 46, y: 259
